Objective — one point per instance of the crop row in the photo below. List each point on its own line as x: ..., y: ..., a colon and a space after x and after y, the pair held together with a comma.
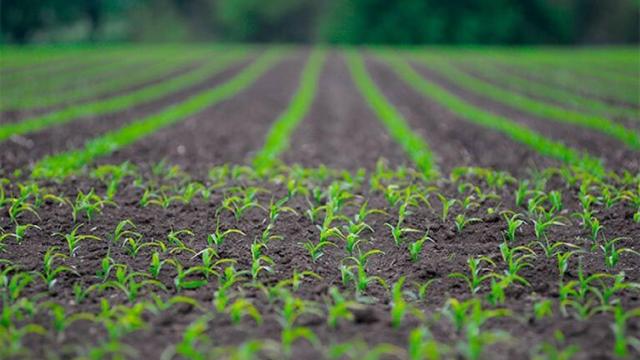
x: 416, y: 147
x: 517, y: 132
x: 119, y: 102
x: 63, y: 164
x: 148, y: 271
x: 582, y: 82
x: 547, y: 92
x: 545, y: 111
x: 94, y: 81
x: 277, y: 140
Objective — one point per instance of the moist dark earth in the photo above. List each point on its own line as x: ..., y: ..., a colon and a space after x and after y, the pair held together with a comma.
x: 340, y: 132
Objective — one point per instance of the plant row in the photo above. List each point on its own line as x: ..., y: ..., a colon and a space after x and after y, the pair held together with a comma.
x: 148, y: 270
x: 515, y: 131
x: 63, y: 164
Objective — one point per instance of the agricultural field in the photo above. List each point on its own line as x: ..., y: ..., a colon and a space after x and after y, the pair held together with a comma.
x: 246, y: 202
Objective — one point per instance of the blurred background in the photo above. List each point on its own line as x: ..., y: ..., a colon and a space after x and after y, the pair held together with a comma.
x: 323, y: 21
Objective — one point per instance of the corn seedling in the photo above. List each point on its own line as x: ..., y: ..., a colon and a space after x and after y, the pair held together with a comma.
x: 61, y: 320
x: 521, y: 193
x: 20, y: 232
x: 541, y: 226
x: 415, y: 248
x: 516, y: 260
x: 186, y: 278
x: 619, y: 327
x: 422, y: 345
x: 155, y: 267
x: 462, y: 221
x: 89, y: 204
x: 606, y: 292
x: 257, y: 266
x: 127, y: 283
x: 242, y: 308
x: 339, y: 308
x: 446, y: 205
x: 134, y: 245
x: 550, y: 249
x: 398, y: 232
x: 218, y: 236
x: 316, y: 250
x: 543, y: 309
x: 73, y: 239
x: 611, y: 254
x: 50, y: 271
x: 107, y: 265
x: 125, y: 228
x: 277, y: 207
x: 563, y: 261
x: 19, y: 207
x: 399, y: 306
x: 475, y: 278
x: 513, y: 224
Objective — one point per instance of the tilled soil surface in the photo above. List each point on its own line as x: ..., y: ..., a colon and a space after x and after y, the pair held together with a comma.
x: 228, y: 132
x: 281, y: 300
x: 615, y: 154
x: 28, y: 149
x: 446, y: 254
x: 9, y: 116
x: 455, y: 141
x: 338, y: 131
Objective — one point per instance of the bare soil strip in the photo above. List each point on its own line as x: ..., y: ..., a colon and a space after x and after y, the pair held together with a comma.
x: 614, y: 153
x: 228, y: 132
x: 455, y: 142
x: 341, y: 131
x: 28, y: 149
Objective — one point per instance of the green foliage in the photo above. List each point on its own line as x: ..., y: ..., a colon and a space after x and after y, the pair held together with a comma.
x: 117, y: 103
x: 415, y: 147
x: 515, y: 131
x: 63, y: 164
x: 277, y: 139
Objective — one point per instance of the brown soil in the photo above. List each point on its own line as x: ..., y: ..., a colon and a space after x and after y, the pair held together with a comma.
x: 9, y: 116
x: 447, y: 254
x: 28, y: 149
x: 340, y: 130
x: 455, y: 141
x: 228, y: 132
x: 616, y: 154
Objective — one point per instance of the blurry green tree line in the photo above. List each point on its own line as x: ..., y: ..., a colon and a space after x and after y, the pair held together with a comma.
x: 328, y: 21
